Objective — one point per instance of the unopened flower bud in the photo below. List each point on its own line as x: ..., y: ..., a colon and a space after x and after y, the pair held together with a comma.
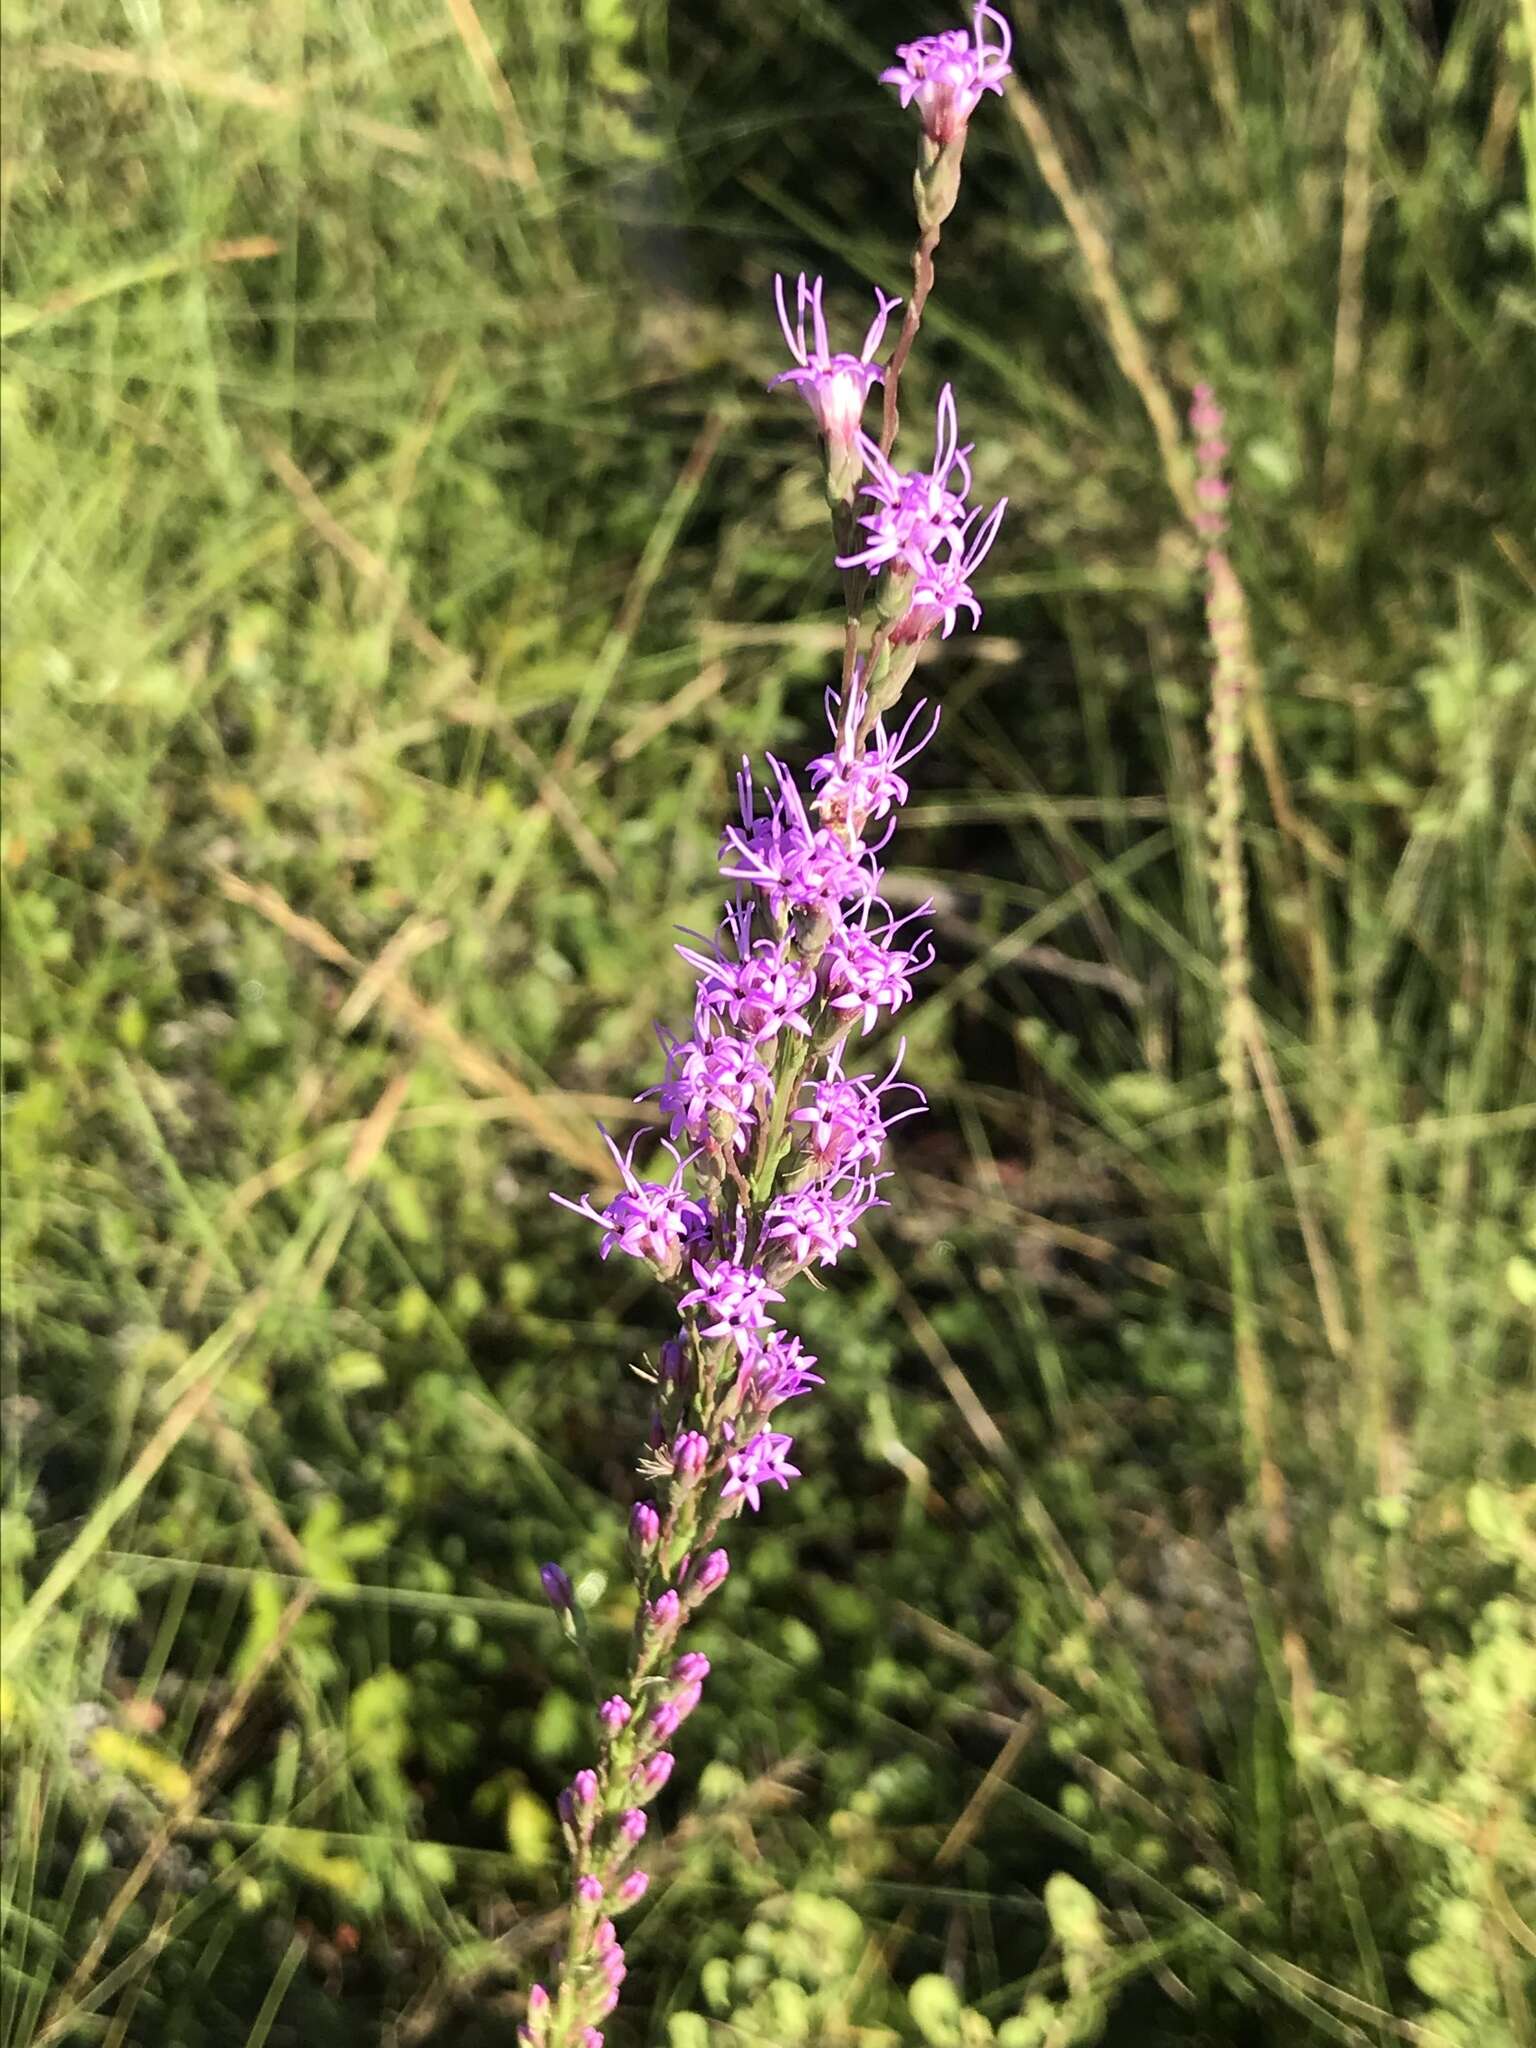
x: 664, y: 1723
x: 633, y: 1888
x: 614, y: 1714
x: 709, y: 1574
x: 664, y: 1612
x: 690, y: 1454
x: 632, y: 1824
x: 644, y: 1527
x: 692, y: 1668
x: 557, y: 1587
x: 590, y: 1891
x: 649, y: 1776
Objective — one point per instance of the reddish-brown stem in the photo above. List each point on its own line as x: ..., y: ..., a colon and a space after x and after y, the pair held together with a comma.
x: 922, y: 285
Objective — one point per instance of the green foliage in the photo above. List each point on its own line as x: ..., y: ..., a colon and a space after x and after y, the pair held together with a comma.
x: 1102, y: 1681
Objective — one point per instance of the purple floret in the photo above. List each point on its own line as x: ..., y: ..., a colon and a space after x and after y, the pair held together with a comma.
x: 944, y: 76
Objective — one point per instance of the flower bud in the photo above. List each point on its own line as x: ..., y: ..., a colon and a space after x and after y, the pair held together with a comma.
x: 893, y: 593
x: 690, y: 1454
x: 558, y: 1588
x: 583, y: 1790
x: 665, y: 1612
x: 614, y: 1714
x: 692, y: 1668
x: 632, y: 1824
x: 589, y: 1891
x: 664, y: 1723
x: 644, y: 1527
x: 708, y: 1575
x: 649, y: 1776
x: 936, y: 187
x: 633, y: 1888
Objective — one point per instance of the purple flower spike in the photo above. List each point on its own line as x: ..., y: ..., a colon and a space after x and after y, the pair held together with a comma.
x: 833, y: 386
x: 946, y: 75
x: 558, y: 1588
x: 774, y: 1152
x: 762, y: 1462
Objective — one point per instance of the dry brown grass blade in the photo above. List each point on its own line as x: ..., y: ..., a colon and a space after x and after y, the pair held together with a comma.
x: 1129, y: 348
x: 377, y: 1125
x: 416, y: 936
x: 473, y: 1066
x: 936, y: 1351
x: 67, y: 2005
x: 1354, y: 236
x: 454, y: 666
x: 234, y: 89
x: 1325, y: 1283
x: 881, y: 1950
x: 654, y: 720
x: 207, y: 1366
x: 478, y: 45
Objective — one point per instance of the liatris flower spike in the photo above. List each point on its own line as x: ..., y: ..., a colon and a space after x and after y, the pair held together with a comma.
x: 774, y: 1148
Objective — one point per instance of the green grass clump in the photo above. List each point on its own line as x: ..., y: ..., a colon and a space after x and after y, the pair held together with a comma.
x: 400, y: 548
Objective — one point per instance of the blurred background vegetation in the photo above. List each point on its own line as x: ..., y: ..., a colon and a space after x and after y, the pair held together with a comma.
x: 400, y: 548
